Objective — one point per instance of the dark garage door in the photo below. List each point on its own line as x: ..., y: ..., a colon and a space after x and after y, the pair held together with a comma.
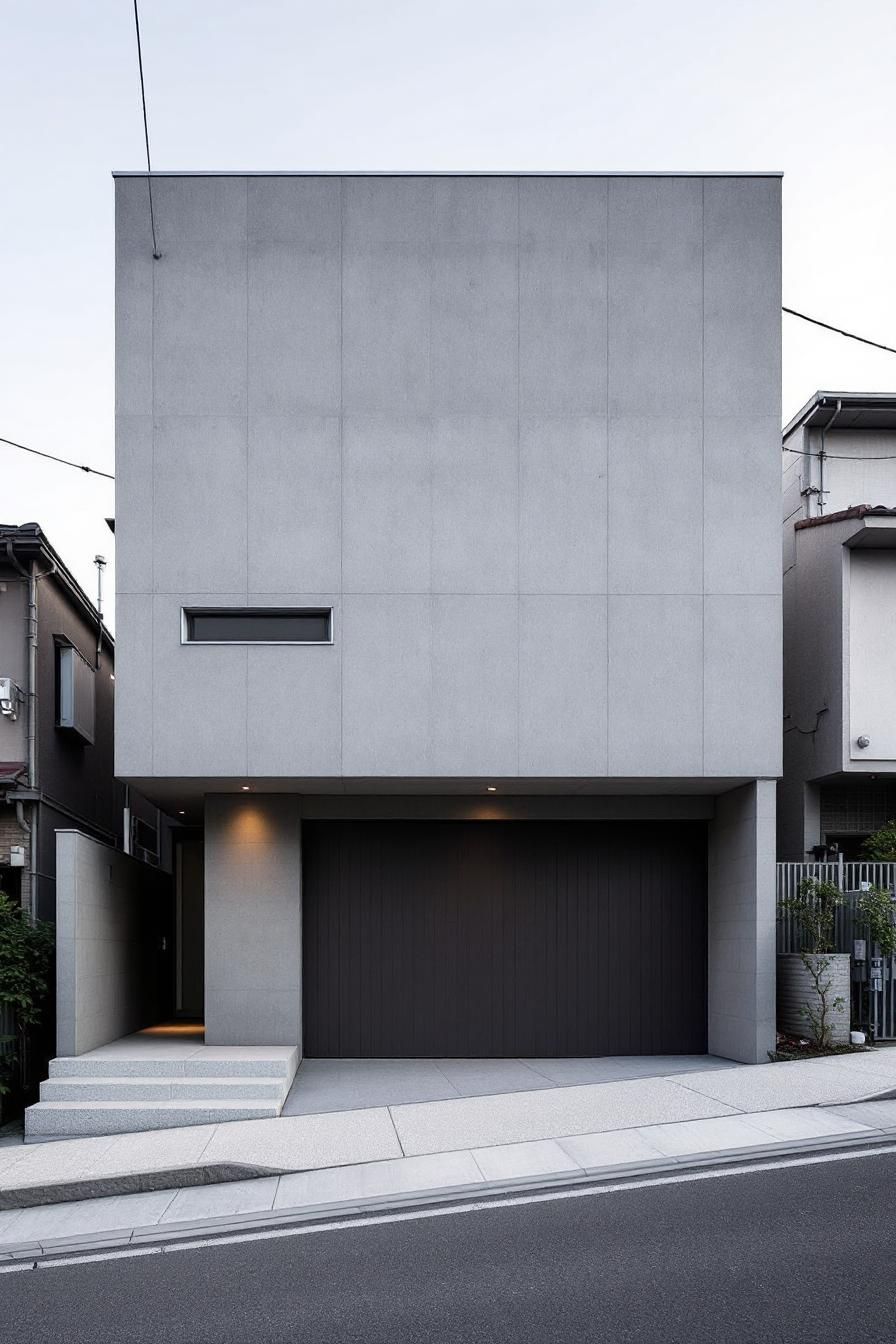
x: 461, y: 939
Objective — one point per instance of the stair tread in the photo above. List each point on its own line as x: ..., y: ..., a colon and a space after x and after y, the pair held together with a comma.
x: 168, y: 1104
x: 165, y: 1080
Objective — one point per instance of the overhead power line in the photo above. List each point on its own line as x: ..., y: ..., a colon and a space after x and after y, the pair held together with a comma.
x: 152, y: 218
x: 94, y: 471
x: 839, y: 330
x: 842, y: 457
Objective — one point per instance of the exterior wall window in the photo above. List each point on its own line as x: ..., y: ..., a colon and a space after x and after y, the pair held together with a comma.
x: 75, y: 692
x: 258, y: 625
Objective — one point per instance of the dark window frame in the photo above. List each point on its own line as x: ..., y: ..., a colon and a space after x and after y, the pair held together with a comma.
x: 189, y: 614
x: 76, y: 725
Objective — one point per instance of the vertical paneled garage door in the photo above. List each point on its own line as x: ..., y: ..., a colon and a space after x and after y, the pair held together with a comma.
x: 503, y: 938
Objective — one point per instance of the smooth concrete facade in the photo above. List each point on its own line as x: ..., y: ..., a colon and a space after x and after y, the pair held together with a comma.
x: 521, y: 433
x: 742, y: 923
x: 253, y: 920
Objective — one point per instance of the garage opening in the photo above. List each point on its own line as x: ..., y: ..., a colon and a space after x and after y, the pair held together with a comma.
x: 448, y: 939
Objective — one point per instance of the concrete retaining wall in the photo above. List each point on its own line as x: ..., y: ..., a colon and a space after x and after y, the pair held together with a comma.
x: 111, y: 911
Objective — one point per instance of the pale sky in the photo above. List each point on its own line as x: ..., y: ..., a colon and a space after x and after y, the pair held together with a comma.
x: 803, y: 86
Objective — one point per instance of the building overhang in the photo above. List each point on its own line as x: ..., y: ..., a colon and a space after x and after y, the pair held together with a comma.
x: 183, y: 798
x: 858, y: 410
x: 873, y: 532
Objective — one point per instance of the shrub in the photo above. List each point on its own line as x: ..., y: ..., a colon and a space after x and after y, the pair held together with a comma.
x: 876, y: 909
x: 881, y: 846
x: 26, y: 955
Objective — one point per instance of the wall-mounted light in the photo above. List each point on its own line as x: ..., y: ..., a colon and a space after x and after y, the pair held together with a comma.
x: 245, y: 788
x: 491, y: 788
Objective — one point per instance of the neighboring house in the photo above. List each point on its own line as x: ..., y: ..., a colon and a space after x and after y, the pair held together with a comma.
x: 448, y: 606
x: 56, y: 717
x: 839, y: 500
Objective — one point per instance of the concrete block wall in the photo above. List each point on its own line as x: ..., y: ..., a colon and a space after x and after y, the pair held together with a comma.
x: 108, y: 913
x: 522, y: 433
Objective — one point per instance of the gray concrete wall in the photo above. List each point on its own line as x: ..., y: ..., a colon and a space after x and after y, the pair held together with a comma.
x: 108, y: 910
x: 521, y: 433
x: 814, y: 624
x: 253, y: 920
x: 742, y: 924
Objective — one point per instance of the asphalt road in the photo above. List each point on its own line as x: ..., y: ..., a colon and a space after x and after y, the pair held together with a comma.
x: 800, y: 1254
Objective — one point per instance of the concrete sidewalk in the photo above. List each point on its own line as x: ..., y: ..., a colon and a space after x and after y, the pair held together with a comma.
x: 32, y: 1236
x: 344, y: 1161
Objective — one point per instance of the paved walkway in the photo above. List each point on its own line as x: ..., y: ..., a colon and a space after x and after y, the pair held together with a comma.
x: 346, y: 1161
x: 351, y: 1084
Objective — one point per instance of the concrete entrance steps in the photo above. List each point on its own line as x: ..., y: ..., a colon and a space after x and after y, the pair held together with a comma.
x: 118, y: 1090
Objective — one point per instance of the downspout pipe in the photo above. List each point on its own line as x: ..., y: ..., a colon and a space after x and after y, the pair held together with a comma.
x: 821, y: 454
x: 31, y: 577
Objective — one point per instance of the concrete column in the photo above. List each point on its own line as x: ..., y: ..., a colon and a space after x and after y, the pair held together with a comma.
x: 253, y: 920
x: 742, y: 923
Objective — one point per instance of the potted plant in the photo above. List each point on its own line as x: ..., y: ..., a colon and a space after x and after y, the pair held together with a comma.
x: 813, y: 983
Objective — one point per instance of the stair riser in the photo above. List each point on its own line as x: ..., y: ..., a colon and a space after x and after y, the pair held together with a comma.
x: 189, y: 1089
x: 90, y: 1066
x: 77, y: 1123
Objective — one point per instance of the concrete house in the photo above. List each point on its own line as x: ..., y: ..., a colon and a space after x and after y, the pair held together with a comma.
x: 56, y: 717
x: 57, y: 694
x: 839, y: 501
x: 449, y: 603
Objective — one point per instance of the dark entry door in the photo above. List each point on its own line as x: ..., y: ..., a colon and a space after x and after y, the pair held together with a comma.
x: 461, y: 939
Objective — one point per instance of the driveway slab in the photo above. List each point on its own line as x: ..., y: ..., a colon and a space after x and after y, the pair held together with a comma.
x: 295, y: 1142
x: 471, y: 1122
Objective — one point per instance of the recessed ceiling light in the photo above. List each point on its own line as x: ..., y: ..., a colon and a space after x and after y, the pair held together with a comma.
x: 181, y: 813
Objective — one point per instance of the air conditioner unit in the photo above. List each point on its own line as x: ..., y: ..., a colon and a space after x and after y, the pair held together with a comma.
x: 9, y: 698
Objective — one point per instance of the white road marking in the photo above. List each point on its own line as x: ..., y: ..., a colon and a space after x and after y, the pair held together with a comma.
x: 348, y: 1224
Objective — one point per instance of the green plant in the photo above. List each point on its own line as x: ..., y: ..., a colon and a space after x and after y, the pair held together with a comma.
x: 26, y: 955
x: 876, y: 908
x: 817, y: 966
x: 814, y: 911
x: 881, y: 846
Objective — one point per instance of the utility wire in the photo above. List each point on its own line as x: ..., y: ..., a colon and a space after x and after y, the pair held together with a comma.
x: 94, y: 471
x: 839, y: 330
x: 842, y: 457
x: 152, y: 218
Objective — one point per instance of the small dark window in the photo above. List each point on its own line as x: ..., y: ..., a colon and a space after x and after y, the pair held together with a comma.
x: 75, y: 705
x: 259, y: 625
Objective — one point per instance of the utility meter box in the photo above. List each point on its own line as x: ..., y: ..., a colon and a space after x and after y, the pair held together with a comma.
x: 17, y: 856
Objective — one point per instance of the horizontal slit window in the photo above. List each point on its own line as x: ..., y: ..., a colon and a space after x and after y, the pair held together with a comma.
x: 259, y: 625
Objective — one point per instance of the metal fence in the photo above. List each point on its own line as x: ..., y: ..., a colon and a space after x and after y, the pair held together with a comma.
x: 7, y: 1042
x: 873, y: 980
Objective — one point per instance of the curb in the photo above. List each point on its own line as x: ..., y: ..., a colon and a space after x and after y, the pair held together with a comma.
x: 133, y: 1183
x: 158, y: 1238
